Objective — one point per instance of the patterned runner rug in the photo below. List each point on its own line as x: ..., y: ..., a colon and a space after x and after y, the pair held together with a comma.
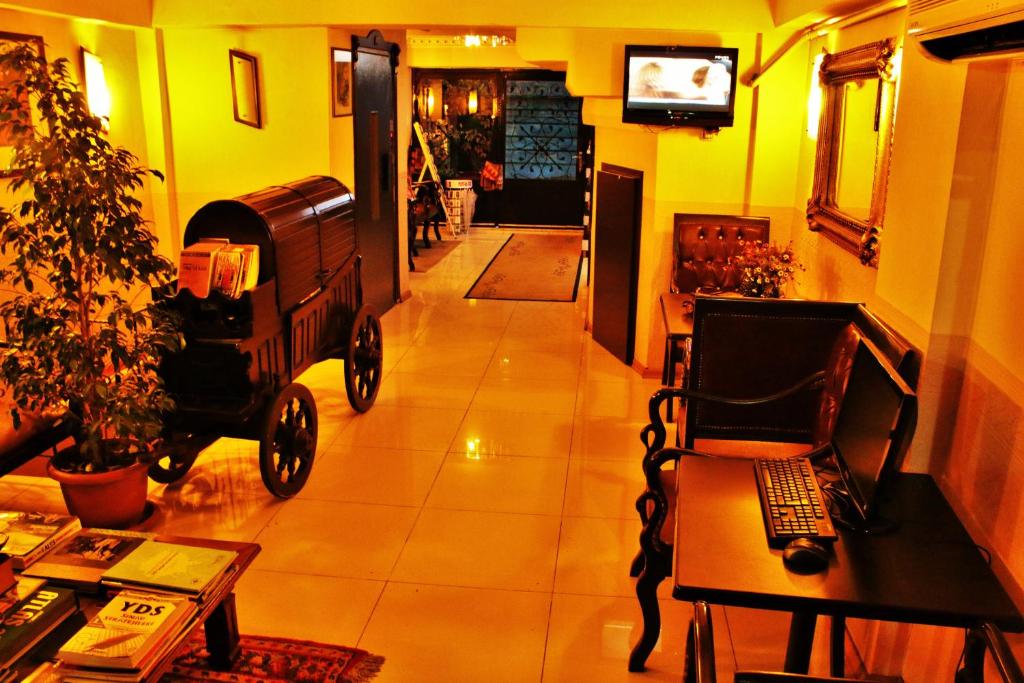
x: 273, y: 660
x: 532, y: 268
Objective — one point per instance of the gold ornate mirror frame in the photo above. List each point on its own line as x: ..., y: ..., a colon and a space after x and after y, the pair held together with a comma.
x: 857, y: 235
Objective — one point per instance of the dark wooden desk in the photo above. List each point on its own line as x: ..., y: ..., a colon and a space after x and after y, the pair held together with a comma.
x: 678, y: 330
x: 927, y: 570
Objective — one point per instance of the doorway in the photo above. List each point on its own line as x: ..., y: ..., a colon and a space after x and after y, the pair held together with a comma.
x: 522, y: 121
x: 374, y: 61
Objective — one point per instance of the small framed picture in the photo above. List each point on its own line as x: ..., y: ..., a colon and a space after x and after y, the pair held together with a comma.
x: 7, y: 42
x: 341, y: 82
x: 245, y: 88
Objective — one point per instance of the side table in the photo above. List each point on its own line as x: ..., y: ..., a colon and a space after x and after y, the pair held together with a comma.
x: 677, y: 312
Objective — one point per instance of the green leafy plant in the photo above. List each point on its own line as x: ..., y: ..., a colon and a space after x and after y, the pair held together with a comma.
x: 765, y: 268
x: 84, y: 338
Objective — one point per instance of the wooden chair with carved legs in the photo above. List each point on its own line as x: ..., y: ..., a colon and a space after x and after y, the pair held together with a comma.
x: 747, y: 348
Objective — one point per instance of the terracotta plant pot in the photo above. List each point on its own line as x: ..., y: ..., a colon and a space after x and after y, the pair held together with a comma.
x: 109, y: 500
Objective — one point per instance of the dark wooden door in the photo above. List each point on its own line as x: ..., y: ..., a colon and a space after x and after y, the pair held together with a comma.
x: 544, y: 174
x: 616, y: 253
x: 374, y: 61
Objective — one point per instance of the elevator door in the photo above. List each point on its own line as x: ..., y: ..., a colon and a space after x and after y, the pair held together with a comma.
x: 373, y: 103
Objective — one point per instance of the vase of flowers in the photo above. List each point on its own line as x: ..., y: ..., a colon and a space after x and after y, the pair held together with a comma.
x: 765, y: 268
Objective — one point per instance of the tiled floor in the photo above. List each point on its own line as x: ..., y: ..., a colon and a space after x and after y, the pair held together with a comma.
x: 476, y: 524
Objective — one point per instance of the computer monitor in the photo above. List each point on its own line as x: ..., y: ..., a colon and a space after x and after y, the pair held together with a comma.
x: 876, y: 405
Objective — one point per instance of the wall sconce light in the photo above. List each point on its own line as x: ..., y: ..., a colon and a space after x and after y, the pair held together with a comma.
x: 474, y: 101
x: 432, y: 111
x: 97, y: 94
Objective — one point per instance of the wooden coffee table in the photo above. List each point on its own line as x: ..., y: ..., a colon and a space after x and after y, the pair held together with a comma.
x: 216, y: 614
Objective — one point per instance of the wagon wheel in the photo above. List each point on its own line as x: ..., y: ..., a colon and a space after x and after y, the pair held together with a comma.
x: 175, y: 460
x: 288, y: 441
x: 363, y: 359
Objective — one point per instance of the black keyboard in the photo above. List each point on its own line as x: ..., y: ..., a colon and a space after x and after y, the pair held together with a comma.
x: 791, y: 501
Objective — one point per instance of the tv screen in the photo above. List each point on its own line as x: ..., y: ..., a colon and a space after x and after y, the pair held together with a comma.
x: 679, y: 86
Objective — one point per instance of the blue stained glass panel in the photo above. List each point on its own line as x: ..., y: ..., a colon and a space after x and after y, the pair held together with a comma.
x: 541, y: 128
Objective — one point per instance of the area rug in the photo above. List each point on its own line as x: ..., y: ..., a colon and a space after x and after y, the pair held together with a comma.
x: 276, y: 660
x: 429, y: 258
x: 532, y: 267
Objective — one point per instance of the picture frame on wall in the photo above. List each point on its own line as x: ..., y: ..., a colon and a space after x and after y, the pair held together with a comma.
x: 8, y: 41
x: 341, y: 82
x: 245, y: 88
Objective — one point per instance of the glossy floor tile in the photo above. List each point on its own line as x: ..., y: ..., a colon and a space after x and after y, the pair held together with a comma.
x: 602, y: 488
x: 324, y: 538
x: 500, y: 484
x: 590, y: 638
x: 477, y: 523
x: 458, y: 635
x: 363, y: 474
x: 528, y: 395
x: 424, y: 429
x: 321, y: 608
x: 481, y: 550
x: 608, y: 438
x: 510, y: 432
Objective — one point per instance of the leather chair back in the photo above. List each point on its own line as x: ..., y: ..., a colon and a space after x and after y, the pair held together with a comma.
x: 704, y: 246
x: 756, y: 347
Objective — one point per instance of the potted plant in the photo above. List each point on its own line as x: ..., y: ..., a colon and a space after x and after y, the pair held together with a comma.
x: 84, y: 338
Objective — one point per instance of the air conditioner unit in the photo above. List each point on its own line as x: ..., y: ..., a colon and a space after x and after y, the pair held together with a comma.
x: 965, y: 29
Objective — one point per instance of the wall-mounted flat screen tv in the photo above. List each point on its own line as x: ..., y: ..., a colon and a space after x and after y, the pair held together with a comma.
x: 679, y: 86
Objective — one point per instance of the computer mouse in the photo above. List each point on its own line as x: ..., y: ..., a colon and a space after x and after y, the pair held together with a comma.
x: 804, y: 556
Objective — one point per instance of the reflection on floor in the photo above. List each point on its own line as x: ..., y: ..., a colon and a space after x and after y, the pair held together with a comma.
x: 477, y: 524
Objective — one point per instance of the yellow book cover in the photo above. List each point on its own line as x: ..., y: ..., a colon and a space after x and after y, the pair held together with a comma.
x: 171, y: 566
x: 196, y: 265
x: 126, y: 630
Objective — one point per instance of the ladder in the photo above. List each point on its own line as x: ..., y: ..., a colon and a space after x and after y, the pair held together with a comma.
x: 452, y: 214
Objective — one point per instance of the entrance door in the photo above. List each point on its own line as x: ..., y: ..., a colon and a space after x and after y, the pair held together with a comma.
x: 616, y: 255
x: 374, y: 61
x: 544, y: 173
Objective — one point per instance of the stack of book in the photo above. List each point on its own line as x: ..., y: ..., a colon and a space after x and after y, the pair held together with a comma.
x: 81, y: 559
x: 161, y: 585
x: 29, y: 612
x: 126, y: 638
x: 31, y: 534
x: 215, y: 264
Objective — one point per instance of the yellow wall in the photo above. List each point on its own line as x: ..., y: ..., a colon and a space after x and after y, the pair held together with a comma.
x: 749, y: 168
x: 217, y: 157
x: 119, y: 50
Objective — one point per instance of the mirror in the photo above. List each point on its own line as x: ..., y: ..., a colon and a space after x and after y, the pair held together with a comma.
x: 851, y: 166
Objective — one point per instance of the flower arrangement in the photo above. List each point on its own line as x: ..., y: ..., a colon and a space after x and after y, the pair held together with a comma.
x: 765, y: 268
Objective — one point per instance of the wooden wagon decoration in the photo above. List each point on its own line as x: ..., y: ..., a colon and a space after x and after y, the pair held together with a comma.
x: 236, y: 374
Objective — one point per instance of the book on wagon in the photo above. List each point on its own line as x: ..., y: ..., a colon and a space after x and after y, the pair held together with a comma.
x: 128, y: 632
x: 30, y: 534
x: 196, y: 266
x: 170, y: 566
